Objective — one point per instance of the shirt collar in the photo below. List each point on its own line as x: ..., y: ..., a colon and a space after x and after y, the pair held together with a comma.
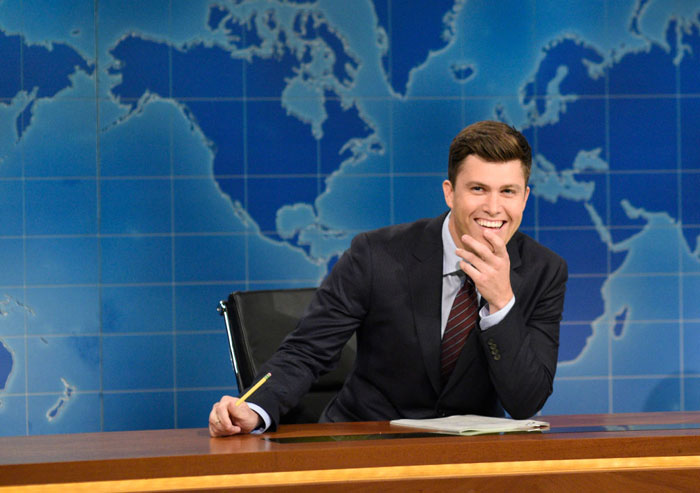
x: 450, y: 260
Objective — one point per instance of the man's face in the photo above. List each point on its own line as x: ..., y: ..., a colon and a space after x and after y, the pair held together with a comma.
x: 486, y: 196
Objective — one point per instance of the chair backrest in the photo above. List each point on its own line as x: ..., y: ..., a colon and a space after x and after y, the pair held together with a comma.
x: 257, y: 322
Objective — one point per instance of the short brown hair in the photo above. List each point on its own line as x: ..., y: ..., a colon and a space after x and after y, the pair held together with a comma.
x: 492, y: 141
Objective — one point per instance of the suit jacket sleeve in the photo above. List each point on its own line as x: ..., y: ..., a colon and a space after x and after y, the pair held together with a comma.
x: 522, y: 349
x: 314, y: 347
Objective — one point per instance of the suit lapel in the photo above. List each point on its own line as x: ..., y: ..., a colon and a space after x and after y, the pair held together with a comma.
x: 513, y: 248
x: 425, y: 281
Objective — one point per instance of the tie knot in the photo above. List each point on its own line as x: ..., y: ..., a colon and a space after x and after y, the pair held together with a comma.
x: 467, y: 286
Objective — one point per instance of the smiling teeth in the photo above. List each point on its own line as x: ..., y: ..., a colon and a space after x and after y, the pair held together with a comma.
x: 489, y: 224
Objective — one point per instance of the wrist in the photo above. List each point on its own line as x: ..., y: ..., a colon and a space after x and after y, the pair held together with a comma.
x: 499, y: 304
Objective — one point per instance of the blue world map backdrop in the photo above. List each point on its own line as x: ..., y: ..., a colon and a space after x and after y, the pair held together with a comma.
x: 155, y: 156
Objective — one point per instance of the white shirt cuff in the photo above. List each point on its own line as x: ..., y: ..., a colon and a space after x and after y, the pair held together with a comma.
x: 489, y: 320
x: 265, y: 417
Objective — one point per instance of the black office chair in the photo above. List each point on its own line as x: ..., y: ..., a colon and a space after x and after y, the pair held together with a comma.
x: 256, y: 324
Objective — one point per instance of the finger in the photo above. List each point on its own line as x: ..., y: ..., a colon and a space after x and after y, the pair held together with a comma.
x: 215, y: 427
x: 476, y: 246
x: 216, y: 431
x: 221, y: 416
x: 224, y: 420
x: 238, y: 413
x: 470, y: 270
x: 470, y: 259
x: 231, y: 406
x: 495, y: 241
x: 477, y: 273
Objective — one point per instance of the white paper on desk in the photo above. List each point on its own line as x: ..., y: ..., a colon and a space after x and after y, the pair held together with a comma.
x: 471, y: 424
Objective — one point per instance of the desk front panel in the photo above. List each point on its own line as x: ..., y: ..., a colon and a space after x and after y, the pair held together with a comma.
x: 175, y: 458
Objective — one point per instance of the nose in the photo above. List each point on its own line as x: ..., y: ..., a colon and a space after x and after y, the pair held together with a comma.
x: 492, y: 204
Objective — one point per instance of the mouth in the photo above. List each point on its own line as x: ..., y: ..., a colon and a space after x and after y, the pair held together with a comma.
x: 484, y: 223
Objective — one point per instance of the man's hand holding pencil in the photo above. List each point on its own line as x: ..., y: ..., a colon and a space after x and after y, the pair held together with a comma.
x: 231, y: 415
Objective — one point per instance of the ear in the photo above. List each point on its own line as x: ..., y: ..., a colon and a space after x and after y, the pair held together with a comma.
x: 448, y: 191
x: 527, y: 194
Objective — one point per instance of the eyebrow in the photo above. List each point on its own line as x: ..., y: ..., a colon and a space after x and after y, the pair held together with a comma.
x: 484, y: 185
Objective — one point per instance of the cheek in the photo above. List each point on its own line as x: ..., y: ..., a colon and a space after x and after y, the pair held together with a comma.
x: 468, y: 225
x: 516, y: 217
x: 516, y: 212
x: 463, y: 211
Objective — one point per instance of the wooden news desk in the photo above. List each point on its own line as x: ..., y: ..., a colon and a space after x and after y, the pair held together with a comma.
x: 636, y: 452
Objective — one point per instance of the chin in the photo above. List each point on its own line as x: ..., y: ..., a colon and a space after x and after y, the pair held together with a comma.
x: 502, y: 234
x: 480, y: 236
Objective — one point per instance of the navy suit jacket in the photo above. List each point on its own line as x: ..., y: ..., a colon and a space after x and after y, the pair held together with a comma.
x: 387, y: 288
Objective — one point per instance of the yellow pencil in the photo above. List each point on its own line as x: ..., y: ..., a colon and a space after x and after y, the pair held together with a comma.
x: 253, y: 389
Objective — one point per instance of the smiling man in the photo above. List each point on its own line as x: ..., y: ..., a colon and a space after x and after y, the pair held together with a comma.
x: 457, y: 314
x: 487, y: 191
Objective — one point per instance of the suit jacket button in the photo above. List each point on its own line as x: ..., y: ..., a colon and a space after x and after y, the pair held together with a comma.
x: 497, y: 356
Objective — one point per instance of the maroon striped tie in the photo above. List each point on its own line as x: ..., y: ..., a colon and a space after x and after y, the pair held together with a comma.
x: 460, y: 322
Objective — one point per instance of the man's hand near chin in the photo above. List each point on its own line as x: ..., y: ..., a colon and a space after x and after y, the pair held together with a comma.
x: 226, y: 418
x: 488, y: 265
